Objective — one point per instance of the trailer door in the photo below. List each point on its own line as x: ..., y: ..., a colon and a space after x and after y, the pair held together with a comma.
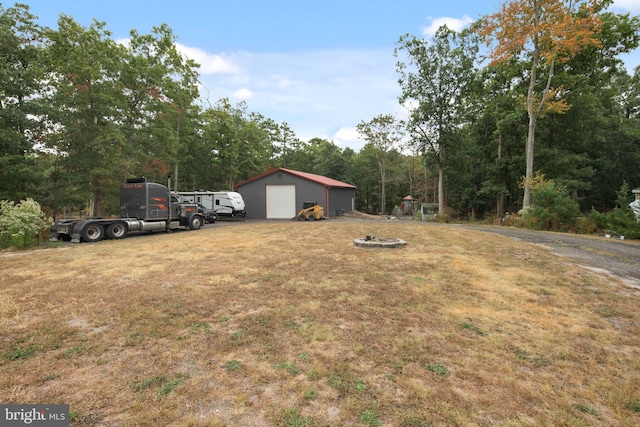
x: 281, y: 201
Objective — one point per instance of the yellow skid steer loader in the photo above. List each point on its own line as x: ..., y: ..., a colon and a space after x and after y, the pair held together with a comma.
x: 311, y: 210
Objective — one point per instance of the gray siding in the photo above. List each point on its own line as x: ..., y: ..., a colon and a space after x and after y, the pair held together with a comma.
x: 341, y: 199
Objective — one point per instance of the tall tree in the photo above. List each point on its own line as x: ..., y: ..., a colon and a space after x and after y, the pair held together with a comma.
x: 436, y: 80
x: 366, y: 174
x: 385, y: 134
x: 287, y: 144
x: 86, y: 64
x: 546, y: 33
x: 161, y: 86
x: 21, y: 90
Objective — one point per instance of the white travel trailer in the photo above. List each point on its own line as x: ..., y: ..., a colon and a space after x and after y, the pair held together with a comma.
x: 225, y: 203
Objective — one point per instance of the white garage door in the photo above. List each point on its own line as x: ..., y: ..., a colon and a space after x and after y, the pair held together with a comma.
x: 281, y: 201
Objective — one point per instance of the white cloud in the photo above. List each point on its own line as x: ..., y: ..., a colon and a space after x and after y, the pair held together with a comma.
x: 124, y: 42
x: 242, y: 94
x: 348, y: 137
x: 627, y: 5
x: 454, y: 24
x: 209, y: 63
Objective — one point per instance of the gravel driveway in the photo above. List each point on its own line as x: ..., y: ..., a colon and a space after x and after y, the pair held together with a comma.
x: 620, y: 258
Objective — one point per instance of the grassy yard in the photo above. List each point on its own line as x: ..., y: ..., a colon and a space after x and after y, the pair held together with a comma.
x: 289, y: 324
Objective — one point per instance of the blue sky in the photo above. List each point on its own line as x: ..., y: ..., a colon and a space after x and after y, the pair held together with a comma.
x: 322, y: 66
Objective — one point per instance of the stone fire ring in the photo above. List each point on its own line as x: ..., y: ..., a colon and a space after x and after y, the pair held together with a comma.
x: 379, y: 242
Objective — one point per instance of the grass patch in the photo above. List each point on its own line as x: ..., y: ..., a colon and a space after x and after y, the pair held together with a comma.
x: 232, y: 365
x: 370, y: 417
x: 21, y: 353
x: 633, y: 406
x: 290, y: 367
x: 149, y: 382
x: 164, y: 385
x: 587, y: 409
x: 308, y: 329
x: 310, y: 394
x: 292, y: 418
x: 172, y: 384
x: 472, y: 327
x: 438, y: 369
x: 201, y: 326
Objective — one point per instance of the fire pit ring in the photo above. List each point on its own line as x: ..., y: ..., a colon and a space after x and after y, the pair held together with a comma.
x: 379, y: 242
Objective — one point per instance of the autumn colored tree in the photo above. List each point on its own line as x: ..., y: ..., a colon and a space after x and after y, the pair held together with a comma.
x: 545, y: 33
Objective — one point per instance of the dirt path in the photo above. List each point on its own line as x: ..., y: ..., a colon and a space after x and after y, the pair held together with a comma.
x: 620, y: 258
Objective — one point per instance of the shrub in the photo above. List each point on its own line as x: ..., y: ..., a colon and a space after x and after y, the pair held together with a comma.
x: 553, y: 208
x: 21, y: 223
x: 621, y: 220
x: 586, y: 225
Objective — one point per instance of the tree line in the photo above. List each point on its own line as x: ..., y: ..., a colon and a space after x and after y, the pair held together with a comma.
x: 80, y: 112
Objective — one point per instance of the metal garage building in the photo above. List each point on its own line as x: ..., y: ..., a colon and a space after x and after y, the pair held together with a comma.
x: 280, y: 193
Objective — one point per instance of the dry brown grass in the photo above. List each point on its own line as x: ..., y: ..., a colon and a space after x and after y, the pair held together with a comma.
x: 290, y: 324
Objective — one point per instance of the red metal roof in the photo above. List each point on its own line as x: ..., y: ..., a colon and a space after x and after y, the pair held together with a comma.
x: 327, y: 182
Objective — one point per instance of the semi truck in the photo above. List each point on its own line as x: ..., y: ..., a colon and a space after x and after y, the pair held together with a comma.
x: 144, y: 206
x: 224, y: 203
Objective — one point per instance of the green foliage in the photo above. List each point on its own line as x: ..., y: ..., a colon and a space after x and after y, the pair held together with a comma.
x: 290, y: 367
x: 553, y: 208
x: 384, y: 133
x: 166, y: 386
x: 437, y: 368
x: 20, y: 224
x: 233, y: 365
x: 21, y: 101
x: 148, y: 382
x: 620, y: 221
x: 370, y: 417
x: 291, y: 417
x: 21, y: 353
x: 633, y: 406
x: 171, y: 385
x: 587, y: 408
x: 473, y: 327
x: 105, y: 111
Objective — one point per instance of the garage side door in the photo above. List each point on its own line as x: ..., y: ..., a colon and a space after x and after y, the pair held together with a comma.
x: 281, y: 201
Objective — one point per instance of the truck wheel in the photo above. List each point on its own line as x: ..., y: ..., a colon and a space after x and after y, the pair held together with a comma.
x: 117, y: 230
x: 93, y: 233
x: 195, y: 222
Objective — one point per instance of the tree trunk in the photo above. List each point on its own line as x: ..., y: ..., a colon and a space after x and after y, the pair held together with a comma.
x: 440, y: 183
x: 526, y: 201
x: 500, y: 198
x: 440, y: 191
x: 383, y: 192
x: 175, y: 177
